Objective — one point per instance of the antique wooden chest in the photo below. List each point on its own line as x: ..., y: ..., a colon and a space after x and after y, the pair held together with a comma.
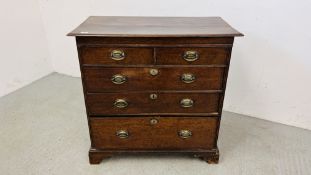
x: 154, y: 84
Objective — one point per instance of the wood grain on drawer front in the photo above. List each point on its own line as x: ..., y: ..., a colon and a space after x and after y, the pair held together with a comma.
x: 102, y: 55
x: 206, y: 78
x: 161, y: 135
x: 207, y: 55
x: 141, y: 103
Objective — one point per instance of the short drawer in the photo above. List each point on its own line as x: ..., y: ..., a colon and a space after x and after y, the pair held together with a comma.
x: 193, y: 56
x: 153, y: 132
x: 116, y: 56
x: 152, y: 103
x: 153, y: 78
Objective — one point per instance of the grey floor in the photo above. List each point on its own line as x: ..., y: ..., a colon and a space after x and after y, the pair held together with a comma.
x: 43, y: 130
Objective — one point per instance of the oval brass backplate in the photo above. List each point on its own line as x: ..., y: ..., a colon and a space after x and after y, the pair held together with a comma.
x: 191, y: 55
x: 187, y: 78
x: 123, y: 134
x: 186, y: 103
x: 117, y: 55
x: 118, y: 79
x: 120, y: 103
x: 184, y: 134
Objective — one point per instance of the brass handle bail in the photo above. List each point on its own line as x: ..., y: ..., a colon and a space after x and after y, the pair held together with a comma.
x: 118, y: 79
x: 186, y: 103
x: 191, y: 55
x: 120, y: 103
x: 122, y: 134
x: 187, y: 78
x: 184, y: 134
x: 117, y: 55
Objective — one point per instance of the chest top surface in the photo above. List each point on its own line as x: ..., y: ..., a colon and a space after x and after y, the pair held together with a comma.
x: 113, y: 26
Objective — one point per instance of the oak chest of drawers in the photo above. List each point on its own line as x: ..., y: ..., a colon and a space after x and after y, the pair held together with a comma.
x: 154, y: 84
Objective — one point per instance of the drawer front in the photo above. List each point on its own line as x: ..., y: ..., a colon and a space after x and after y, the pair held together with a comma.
x: 177, y: 78
x: 193, y: 56
x: 151, y: 103
x: 116, y: 56
x: 153, y: 132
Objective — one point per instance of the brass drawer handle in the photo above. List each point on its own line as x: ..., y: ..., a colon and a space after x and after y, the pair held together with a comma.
x: 191, y: 55
x: 117, y: 55
x: 186, y: 103
x: 187, y: 78
x: 118, y: 79
x: 184, y: 134
x: 122, y: 134
x: 120, y: 103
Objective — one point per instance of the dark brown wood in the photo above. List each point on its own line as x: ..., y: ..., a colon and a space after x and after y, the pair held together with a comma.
x: 102, y: 55
x: 95, y: 157
x: 211, y: 156
x: 120, y: 26
x: 140, y: 102
x: 224, y: 85
x: 154, y: 43
x: 162, y: 135
x: 206, y: 56
x: 164, y: 56
x: 98, y: 79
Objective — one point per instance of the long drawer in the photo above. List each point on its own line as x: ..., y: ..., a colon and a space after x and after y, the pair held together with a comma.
x: 153, y: 132
x: 98, y: 79
x: 152, y: 103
